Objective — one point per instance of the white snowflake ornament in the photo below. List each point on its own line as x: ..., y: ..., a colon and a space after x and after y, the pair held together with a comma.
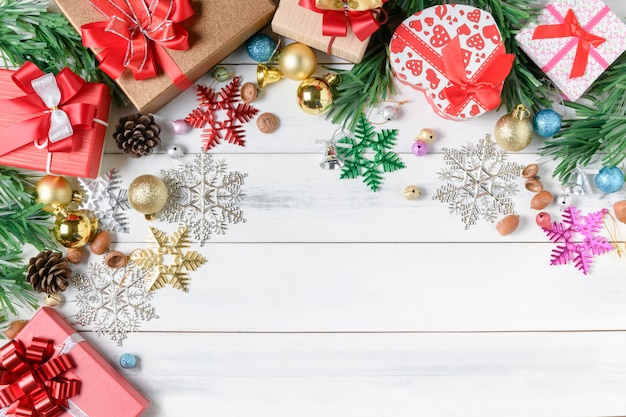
x: 479, y: 182
x: 107, y: 201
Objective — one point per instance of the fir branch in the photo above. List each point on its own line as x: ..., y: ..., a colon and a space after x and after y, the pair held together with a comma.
x: 28, y: 32
x: 22, y: 221
x: 371, y: 80
x: 15, y: 291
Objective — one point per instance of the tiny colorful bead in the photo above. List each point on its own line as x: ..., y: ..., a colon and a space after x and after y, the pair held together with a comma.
x: 547, y: 123
x: 609, y: 179
x: 419, y: 148
x: 221, y: 74
x: 128, y: 361
x: 411, y: 192
x: 543, y: 220
x: 426, y: 135
x: 261, y: 47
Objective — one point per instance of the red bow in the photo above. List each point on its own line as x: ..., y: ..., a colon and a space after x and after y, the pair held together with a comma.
x: 136, y: 34
x: 35, y: 387
x: 484, y: 87
x: 37, y: 129
x: 570, y: 27
x: 335, y: 22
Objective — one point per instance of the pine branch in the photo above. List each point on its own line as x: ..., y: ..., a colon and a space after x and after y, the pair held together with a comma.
x: 371, y: 80
x: 28, y: 32
x: 15, y: 292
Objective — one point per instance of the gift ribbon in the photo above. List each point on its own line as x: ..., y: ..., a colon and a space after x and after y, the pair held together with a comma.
x: 484, y: 87
x: 136, y: 35
x: 569, y: 27
x: 49, y: 100
x: 360, y: 15
x: 35, y: 385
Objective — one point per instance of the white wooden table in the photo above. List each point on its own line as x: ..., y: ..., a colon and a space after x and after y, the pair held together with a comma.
x: 332, y: 300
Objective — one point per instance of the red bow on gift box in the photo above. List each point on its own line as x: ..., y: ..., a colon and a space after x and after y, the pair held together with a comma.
x: 571, y: 28
x: 361, y: 18
x: 35, y: 387
x: 485, y: 85
x: 49, y: 100
x: 135, y: 36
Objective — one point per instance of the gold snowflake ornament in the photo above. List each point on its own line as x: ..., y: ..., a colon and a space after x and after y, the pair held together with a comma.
x: 176, y: 271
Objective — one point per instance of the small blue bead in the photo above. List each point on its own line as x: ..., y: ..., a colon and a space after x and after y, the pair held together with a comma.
x: 128, y: 360
x: 609, y: 179
x: 547, y: 123
x: 261, y: 47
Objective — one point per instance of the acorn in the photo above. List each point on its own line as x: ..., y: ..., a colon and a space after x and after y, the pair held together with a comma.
x: 14, y: 328
x: 75, y: 255
x: 533, y: 185
x: 508, y: 224
x: 541, y: 200
x: 620, y: 210
x: 530, y: 171
x: 100, y: 243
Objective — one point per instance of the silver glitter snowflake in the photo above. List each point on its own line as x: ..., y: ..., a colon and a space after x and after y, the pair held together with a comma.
x: 114, y: 301
x: 478, y: 182
x: 107, y: 201
x: 203, y: 196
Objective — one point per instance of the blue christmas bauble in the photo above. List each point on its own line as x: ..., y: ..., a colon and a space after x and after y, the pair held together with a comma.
x: 609, y: 179
x: 128, y: 361
x: 547, y: 123
x: 261, y: 47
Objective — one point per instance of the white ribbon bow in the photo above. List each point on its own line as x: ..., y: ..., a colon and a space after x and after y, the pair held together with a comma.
x: 47, y: 89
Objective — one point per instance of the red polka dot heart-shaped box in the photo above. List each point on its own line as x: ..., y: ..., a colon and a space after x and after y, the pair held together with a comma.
x: 454, y: 53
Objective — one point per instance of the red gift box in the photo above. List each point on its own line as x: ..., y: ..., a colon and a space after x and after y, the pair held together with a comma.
x: 103, y: 391
x: 26, y: 138
x: 454, y: 53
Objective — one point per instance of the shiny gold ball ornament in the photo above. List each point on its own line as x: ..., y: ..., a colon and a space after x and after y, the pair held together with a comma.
x: 297, y: 61
x: 314, y: 96
x: 75, y: 228
x: 54, y: 191
x: 148, y: 195
x: 514, y: 131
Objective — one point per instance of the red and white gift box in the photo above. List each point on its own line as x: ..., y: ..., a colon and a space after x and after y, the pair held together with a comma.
x: 573, y: 42
x: 33, y: 379
x: 55, y: 124
x: 454, y: 53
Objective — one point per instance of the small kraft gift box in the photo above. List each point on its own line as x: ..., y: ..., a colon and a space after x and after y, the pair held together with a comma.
x: 50, y: 370
x: 54, y: 124
x: 455, y: 55
x: 338, y: 27
x: 573, y: 42
x: 156, y: 49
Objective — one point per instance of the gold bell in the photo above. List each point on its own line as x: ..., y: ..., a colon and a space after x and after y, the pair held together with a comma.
x: 331, y: 160
x: 267, y: 75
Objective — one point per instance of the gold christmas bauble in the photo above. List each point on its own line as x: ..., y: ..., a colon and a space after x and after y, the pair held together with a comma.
x: 53, y: 191
x: 75, y: 228
x: 514, y: 131
x: 314, y: 96
x: 297, y: 61
x: 148, y: 195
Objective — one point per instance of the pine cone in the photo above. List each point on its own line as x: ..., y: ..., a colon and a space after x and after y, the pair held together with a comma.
x: 137, y: 134
x: 49, y: 272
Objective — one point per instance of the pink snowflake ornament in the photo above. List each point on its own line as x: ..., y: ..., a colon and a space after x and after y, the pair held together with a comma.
x: 205, y: 116
x: 578, y: 251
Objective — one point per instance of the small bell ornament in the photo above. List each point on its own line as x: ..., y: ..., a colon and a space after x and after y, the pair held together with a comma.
x: 331, y: 160
x: 514, y: 131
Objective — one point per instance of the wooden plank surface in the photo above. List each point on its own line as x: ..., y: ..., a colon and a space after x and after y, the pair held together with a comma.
x: 332, y: 300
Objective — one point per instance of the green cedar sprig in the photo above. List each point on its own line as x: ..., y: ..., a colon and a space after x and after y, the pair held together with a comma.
x: 597, y: 129
x: 29, y: 32
x: 371, y: 80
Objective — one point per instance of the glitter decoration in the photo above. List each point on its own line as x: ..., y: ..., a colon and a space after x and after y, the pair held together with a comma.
x: 107, y: 201
x: 570, y: 246
x: 261, y: 47
x: 113, y: 301
x: 478, y: 182
x: 547, y: 123
x: 176, y: 272
x: 210, y: 102
x: 352, y: 149
x: 203, y: 197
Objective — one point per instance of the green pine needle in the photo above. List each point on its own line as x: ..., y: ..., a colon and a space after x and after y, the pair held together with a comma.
x: 28, y: 32
x: 15, y: 291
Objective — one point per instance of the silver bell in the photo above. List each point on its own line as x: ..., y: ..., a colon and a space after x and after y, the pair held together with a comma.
x: 331, y: 160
